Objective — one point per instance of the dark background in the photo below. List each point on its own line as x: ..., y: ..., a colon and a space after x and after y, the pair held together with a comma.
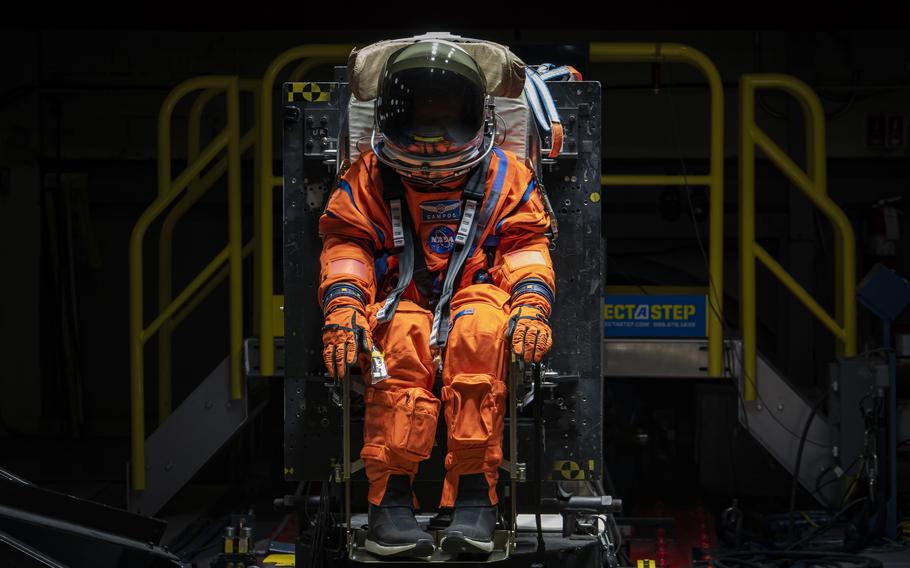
x: 78, y: 110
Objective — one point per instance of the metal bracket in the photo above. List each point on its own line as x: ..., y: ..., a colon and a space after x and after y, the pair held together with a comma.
x: 346, y: 463
x: 516, y: 471
x: 551, y: 384
x: 334, y: 387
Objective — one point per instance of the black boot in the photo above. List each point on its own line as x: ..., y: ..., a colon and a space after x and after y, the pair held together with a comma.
x: 393, y: 530
x: 473, y: 519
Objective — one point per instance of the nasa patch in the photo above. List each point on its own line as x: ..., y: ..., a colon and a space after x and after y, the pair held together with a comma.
x: 446, y: 210
x: 441, y: 239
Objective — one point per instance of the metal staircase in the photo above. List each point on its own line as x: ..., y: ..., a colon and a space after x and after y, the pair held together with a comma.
x: 188, y: 436
x: 207, y: 419
x: 770, y: 407
x: 200, y: 426
x: 777, y: 418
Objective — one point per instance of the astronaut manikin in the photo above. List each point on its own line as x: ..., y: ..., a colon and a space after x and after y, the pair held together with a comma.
x: 433, y: 194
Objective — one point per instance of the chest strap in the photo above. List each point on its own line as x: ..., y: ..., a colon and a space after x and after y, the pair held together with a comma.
x: 402, y: 238
x: 467, y: 229
x: 393, y: 193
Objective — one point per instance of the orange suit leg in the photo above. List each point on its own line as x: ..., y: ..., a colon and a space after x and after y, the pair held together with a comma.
x: 400, y: 416
x: 474, y: 386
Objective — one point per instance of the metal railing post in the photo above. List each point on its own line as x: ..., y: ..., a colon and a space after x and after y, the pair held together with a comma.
x: 165, y: 260
x: 198, y: 187
x: 813, y: 184
x: 747, y: 314
x: 168, y: 191
x: 235, y: 242
x: 676, y: 53
x: 257, y: 231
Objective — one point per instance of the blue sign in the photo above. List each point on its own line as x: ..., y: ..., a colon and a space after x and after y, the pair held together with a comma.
x: 640, y: 315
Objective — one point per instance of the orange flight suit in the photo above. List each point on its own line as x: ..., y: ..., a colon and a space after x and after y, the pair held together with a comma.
x: 401, y: 411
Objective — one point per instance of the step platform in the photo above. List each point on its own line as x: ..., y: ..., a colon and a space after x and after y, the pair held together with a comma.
x: 572, y: 552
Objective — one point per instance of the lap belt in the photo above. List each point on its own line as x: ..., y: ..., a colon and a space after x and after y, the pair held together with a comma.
x: 393, y: 192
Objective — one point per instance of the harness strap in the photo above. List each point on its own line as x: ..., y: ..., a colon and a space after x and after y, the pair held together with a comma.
x: 544, y: 109
x: 473, y: 193
x: 473, y: 219
x: 393, y: 190
x: 549, y: 72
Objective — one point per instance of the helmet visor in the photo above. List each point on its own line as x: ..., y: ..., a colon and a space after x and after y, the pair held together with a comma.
x: 431, y: 110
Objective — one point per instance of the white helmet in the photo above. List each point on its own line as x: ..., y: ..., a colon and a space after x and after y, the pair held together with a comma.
x: 433, y: 112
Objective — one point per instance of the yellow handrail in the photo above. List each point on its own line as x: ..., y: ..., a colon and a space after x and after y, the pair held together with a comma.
x: 213, y: 283
x: 197, y: 188
x: 168, y: 191
x: 676, y: 53
x: 813, y: 184
x: 654, y: 180
x: 267, y: 182
x: 210, y: 269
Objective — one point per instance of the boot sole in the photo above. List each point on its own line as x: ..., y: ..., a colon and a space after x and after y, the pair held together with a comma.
x: 420, y: 549
x: 459, y: 544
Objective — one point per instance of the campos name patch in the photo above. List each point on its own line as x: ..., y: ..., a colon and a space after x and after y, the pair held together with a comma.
x: 445, y: 210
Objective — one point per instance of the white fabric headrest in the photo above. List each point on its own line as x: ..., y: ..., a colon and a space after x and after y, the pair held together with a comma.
x: 503, y: 71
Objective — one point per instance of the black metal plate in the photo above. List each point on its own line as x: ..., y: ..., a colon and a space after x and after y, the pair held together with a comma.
x: 573, y: 407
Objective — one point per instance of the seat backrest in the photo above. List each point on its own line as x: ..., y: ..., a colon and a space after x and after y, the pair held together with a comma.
x: 572, y: 181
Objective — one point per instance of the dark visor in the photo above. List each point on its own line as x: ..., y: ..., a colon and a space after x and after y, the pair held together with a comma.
x: 430, y: 105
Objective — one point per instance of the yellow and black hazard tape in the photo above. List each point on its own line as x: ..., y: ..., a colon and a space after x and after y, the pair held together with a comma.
x: 310, y: 92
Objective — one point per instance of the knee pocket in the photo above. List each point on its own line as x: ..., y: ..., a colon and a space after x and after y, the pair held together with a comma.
x: 478, y: 319
x: 474, y: 408
x: 477, y: 343
x: 404, y: 419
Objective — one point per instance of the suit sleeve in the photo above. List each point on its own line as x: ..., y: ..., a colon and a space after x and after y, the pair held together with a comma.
x: 349, y: 239
x: 522, y: 265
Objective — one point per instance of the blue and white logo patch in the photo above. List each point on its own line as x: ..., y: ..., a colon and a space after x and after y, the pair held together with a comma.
x: 441, y: 239
x: 446, y: 210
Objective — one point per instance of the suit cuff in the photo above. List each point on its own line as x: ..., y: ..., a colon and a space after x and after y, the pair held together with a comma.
x: 532, y: 286
x: 343, y: 290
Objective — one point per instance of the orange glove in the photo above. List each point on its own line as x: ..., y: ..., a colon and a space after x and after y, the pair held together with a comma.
x: 529, y: 332
x: 529, y: 326
x: 345, y: 330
